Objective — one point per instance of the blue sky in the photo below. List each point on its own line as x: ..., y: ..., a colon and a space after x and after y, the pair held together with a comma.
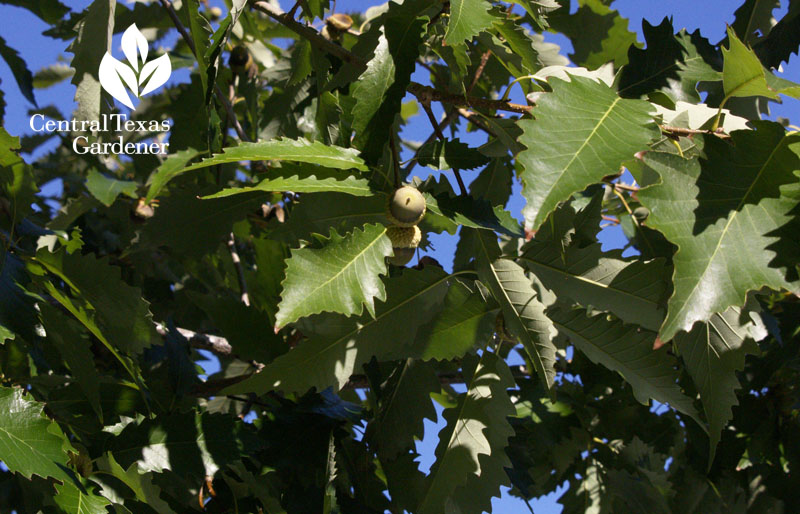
x: 22, y: 31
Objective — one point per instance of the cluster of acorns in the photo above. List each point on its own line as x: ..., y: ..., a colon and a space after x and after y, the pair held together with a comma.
x: 405, y: 209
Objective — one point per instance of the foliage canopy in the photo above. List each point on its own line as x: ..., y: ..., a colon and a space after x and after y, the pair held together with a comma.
x: 664, y: 377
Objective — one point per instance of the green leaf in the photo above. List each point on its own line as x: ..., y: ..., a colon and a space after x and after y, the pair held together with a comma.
x: 753, y: 19
x: 51, y: 75
x: 189, y: 444
x: 169, y: 169
x: 598, y: 33
x: 107, y: 189
x: 405, y: 402
x: 140, y: 483
x: 721, y: 213
x: 671, y: 63
x: 465, y: 323
x: 520, y: 42
x: 92, y: 42
x: 16, y: 182
x: 597, y: 131
x: 30, y: 443
x: 470, y: 457
x: 50, y: 11
x: 199, y: 30
x: 782, y: 41
x: 339, y: 346
x: 468, y: 18
x: 178, y: 217
x: 522, y: 310
x: 298, y: 150
x: 631, y: 289
x: 713, y: 352
x: 17, y: 312
x: 742, y: 72
x: 450, y: 154
x: 342, y: 276
x: 305, y: 180
x: 628, y: 350
x: 72, y: 500
x: 19, y: 69
x: 76, y: 351
x: 114, y: 312
x: 380, y: 90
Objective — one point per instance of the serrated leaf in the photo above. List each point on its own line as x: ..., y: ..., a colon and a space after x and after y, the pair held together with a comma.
x: 72, y: 500
x: 631, y: 289
x: 92, y: 42
x: 141, y: 484
x: 405, y: 403
x: 468, y: 18
x: 75, y: 350
x: 520, y: 42
x: 19, y: 69
x: 671, y: 63
x: 742, y: 72
x: 339, y: 346
x: 298, y: 150
x: 450, y: 154
x: 713, y: 352
x: 753, y: 19
x: 30, y: 443
x: 597, y: 131
x: 721, y: 212
x: 523, y: 312
x: 17, y: 311
x: 380, y: 90
x: 169, y: 169
x: 189, y: 444
x: 107, y: 189
x: 782, y: 41
x: 343, y: 276
x: 307, y: 181
x: 627, y: 350
x: 598, y: 33
x: 49, y: 11
x: 51, y: 75
x: 465, y: 323
x: 470, y: 456
x: 117, y: 314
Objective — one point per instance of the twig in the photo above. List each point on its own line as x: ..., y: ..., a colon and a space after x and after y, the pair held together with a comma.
x: 680, y: 131
x: 479, y: 70
x: 475, y: 120
x: 426, y: 106
x: 313, y: 37
x: 395, y: 160
x: 417, y: 89
x: 610, y: 218
x: 216, y: 344
x: 237, y: 263
x: 167, y: 4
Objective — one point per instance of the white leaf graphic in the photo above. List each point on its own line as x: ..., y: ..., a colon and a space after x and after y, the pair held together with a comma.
x: 131, y: 40
x: 160, y: 69
x: 110, y: 79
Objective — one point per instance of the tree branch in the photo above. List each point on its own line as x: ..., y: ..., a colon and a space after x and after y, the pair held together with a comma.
x: 216, y: 344
x: 313, y: 37
x: 237, y: 263
x: 421, y: 92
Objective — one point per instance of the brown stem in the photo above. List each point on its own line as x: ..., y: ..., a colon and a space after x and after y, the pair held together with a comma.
x: 216, y: 344
x: 313, y: 37
x: 237, y: 263
x: 419, y: 90
x: 680, y: 131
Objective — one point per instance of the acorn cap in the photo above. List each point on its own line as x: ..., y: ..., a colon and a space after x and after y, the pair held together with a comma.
x: 406, y: 206
x: 404, y: 237
x: 340, y: 21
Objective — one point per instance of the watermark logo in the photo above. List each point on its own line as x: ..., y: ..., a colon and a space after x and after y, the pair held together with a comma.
x: 119, y: 78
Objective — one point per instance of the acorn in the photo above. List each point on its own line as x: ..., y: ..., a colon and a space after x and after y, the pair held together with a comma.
x: 641, y: 213
x: 240, y: 60
x: 405, y: 241
x: 406, y: 207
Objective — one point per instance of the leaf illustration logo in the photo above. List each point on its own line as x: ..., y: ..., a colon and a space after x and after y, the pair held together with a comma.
x: 116, y: 75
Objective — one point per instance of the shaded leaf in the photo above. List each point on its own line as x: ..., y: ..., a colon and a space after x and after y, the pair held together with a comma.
x: 169, y: 169
x: 19, y: 69
x: 451, y: 154
x: 72, y: 500
x: 308, y: 180
x: 107, y: 189
x: 92, y: 42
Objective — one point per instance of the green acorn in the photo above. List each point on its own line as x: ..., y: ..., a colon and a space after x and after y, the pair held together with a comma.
x: 641, y: 213
x: 406, y: 207
x: 240, y: 60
